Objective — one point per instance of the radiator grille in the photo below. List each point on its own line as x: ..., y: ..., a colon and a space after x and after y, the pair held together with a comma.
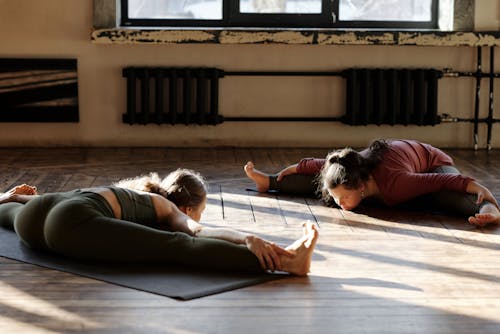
x: 169, y: 95
x: 172, y: 95
x: 390, y: 96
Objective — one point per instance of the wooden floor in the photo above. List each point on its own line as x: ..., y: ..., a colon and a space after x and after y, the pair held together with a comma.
x: 374, y: 271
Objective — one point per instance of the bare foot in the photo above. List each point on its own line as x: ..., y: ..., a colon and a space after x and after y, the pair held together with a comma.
x: 11, y: 195
x: 489, y: 214
x: 302, y: 249
x: 24, y: 189
x: 261, y: 179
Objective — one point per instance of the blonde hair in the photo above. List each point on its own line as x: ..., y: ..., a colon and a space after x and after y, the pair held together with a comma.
x: 183, y: 187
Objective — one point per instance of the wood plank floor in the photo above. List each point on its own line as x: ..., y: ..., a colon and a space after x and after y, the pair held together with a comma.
x: 374, y: 271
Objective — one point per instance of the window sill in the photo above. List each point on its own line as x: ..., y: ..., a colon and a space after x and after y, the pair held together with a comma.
x: 295, y: 36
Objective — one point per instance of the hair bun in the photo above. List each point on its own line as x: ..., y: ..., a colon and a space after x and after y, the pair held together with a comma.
x: 333, y: 159
x: 351, y: 157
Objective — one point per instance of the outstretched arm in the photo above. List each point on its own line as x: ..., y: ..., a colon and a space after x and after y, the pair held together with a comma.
x: 483, y: 193
x: 310, y: 166
x: 287, y: 171
x: 403, y: 186
x: 306, y: 166
x: 267, y: 252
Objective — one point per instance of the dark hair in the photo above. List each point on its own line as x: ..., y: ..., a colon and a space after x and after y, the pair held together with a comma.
x: 349, y: 168
x: 183, y: 187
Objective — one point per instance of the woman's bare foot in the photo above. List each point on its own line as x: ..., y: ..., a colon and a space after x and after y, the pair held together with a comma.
x: 12, y: 194
x: 302, y: 249
x: 261, y: 179
x: 24, y: 189
x: 489, y: 214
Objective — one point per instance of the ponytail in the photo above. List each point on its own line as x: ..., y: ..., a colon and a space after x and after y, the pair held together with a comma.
x: 183, y: 187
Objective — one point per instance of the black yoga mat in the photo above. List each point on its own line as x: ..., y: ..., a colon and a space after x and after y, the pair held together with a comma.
x: 166, y: 280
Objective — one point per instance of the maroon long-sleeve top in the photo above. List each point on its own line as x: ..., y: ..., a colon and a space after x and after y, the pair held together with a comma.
x: 405, y: 171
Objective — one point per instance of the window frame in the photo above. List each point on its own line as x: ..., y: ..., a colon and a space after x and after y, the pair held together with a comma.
x: 277, y: 20
x: 125, y: 21
x: 232, y: 18
x: 432, y: 24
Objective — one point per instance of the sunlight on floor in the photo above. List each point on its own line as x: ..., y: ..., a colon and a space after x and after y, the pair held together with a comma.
x: 467, y: 307
x: 455, y: 229
x: 25, y: 303
x: 9, y: 325
x: 434, y: 266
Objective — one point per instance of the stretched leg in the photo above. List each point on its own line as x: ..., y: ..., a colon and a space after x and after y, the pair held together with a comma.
x: 293, y: 184
x: 8, y: 213
x: 462, y: 204
x: 110, y: 239
x: 453, y: 202
x: 261, y: 179
x: 303, y: 250
x: 122, y: 241
x: 83, y: 227
x: 488, y: 214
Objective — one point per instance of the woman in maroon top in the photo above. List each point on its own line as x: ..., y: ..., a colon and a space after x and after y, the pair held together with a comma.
x: 393, y: 172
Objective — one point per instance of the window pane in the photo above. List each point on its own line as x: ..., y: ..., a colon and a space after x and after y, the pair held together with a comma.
x: 175, y: 9
x: 281, y: 6
x: 385, y: 10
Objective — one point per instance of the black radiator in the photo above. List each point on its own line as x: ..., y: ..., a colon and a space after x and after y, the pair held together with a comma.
x: 391, y: 96
x: 191, y: 96
x: 172, y: 95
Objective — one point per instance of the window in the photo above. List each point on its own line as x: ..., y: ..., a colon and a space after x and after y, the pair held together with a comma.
x: 388, y: 13
x: 281, y: 13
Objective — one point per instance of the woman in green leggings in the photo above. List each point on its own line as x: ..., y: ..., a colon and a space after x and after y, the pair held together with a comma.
x: 142, y: 224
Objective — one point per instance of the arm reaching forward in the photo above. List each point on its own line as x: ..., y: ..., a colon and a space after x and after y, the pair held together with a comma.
x: 268, y: 253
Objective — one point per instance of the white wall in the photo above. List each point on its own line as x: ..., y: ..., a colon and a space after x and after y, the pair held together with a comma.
x: 61, y: 29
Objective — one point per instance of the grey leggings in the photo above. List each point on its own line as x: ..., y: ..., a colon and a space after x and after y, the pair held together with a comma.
x: 295, y: 184
x: 448, y: 201
x: 81, y: 225
x: 451, y: 202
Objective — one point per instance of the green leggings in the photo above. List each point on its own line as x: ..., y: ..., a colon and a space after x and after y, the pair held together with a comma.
x: 81, y: 225
x: 451, y: 202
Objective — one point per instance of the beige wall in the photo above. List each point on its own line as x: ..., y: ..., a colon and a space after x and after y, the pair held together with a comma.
x: 61, y: 28
x: 487, y: 15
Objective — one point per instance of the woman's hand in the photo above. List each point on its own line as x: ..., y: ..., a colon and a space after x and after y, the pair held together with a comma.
x: 287, y: 171
x: 267, y: 252
x: 482, y: 193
